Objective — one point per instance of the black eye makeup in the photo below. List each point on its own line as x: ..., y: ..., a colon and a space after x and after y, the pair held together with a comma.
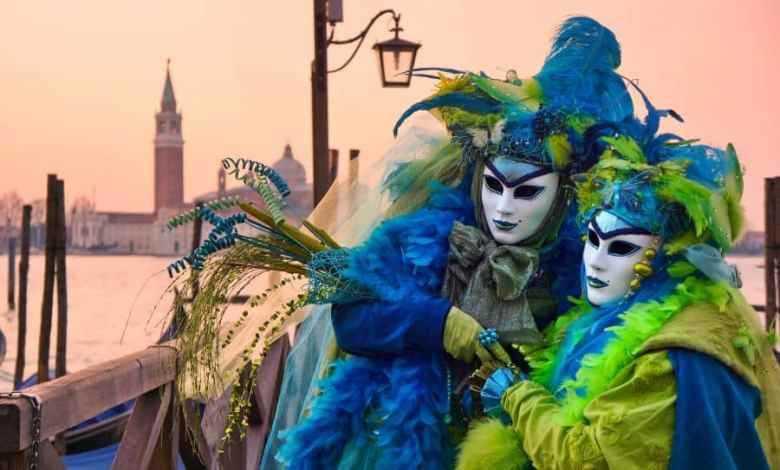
x: 528, y: 191
x: 493, y: 184
x: 622, y: 248
x: 593, y: 238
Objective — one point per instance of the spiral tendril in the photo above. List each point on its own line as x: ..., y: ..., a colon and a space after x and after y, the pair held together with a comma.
x: 195, y: 213
x: 222, y: 235
x: 235, y: 165
x: 259, y: 177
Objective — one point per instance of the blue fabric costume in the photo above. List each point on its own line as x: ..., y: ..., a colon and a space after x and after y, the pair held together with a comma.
x: 388, y: 405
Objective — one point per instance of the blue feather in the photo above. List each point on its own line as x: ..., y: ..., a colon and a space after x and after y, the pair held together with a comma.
x: 579, y: 71
x: 653, y: 119
x: 383, y: 413
x: 459, y: 100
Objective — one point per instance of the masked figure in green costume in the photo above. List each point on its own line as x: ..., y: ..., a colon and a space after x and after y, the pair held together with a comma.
x: 662, y: 363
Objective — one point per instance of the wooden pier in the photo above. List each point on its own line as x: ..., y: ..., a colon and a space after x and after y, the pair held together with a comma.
x: 153, y: 437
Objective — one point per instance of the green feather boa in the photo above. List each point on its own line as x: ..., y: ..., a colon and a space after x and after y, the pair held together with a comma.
x: 640, y: 322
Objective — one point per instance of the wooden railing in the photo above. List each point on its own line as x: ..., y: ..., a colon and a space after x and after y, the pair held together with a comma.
x: 153, y: 434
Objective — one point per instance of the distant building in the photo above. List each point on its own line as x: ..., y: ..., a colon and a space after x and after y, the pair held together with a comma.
x: 752, y: 243
x: 147, y: 233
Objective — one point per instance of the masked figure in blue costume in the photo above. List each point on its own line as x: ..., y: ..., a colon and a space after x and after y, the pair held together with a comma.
x: 662, y: 363
x: 475, y: 247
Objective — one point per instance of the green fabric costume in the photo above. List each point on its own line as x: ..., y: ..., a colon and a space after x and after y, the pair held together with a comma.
x: 631, y: 423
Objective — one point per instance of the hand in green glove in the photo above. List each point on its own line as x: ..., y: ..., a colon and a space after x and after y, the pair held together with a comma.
x: 461, y: 341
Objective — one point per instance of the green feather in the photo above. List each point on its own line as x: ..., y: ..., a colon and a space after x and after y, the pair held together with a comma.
x: 492, y: 445
x: 627, y: 147
x: 559, y: 150
x: 732, y: 195
x: 526, y: 96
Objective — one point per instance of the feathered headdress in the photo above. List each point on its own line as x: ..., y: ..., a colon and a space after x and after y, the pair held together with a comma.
x: 685, y: 192
x: 542, y: 119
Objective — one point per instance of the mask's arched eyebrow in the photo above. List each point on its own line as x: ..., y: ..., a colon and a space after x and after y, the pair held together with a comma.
x: 614, y: 233
x: 518, y: 181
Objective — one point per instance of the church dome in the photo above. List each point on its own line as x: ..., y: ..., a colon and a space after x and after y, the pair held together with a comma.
x: 291, y: 169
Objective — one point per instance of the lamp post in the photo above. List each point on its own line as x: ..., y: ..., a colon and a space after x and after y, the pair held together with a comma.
x: 395, y: 56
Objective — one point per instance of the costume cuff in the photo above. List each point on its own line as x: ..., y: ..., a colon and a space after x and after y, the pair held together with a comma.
x: 427, y: 331
x: 524, y: 393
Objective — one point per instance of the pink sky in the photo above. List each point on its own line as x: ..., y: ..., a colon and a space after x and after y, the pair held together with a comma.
x: 80, y: 81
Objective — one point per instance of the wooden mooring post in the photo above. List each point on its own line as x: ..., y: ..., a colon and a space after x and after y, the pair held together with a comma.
x: 11, y: 273
x: 772, y: 248
x: 44, y: 341
x: 62, y: 282
x: 24, y: 270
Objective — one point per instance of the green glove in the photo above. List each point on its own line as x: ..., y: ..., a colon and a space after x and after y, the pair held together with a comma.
x: 461, y: 341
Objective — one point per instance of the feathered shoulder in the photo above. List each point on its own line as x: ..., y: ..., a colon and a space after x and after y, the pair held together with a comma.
x: 409, y: 252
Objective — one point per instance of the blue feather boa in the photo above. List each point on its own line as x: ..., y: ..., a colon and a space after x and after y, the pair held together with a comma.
x: 408, y: 253
x: 387, y: 412
x: 375, y: 413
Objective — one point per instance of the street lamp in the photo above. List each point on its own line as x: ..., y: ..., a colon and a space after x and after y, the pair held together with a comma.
x: 396, y: 56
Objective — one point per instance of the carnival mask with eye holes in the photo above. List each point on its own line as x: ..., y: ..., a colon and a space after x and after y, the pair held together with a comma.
x: 516, y: 198
x: 612, y: 250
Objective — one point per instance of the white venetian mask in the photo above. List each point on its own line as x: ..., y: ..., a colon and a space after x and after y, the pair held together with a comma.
x: 516, y: 198
x: 612, y: 250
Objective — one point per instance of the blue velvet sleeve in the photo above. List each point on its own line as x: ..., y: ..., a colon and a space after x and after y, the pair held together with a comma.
x: 403, y: 263
x: 715, y: 416
x: 386, y: 329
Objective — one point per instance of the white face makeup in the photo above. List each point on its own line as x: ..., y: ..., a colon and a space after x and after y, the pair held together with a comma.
x: 516, y: 198
x: 609, y: 261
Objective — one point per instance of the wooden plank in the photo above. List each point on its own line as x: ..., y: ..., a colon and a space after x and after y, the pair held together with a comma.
x: 267, y: 388
x: 24, y: 270
x: 212, y: 425
x: 142, y: 433
x: 75, y: 397
x: 247, y: 452
x: 62, y: 282
x: 48, y: 281
x: 193, y: 447
x: 49, y: 458
x: 14, y: 461
x: 166, y: 451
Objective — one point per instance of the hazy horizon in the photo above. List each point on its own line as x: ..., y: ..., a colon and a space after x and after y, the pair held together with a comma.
x: 82, y: 80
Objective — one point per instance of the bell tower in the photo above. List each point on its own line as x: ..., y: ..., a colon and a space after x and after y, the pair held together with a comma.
x: 168, y: 151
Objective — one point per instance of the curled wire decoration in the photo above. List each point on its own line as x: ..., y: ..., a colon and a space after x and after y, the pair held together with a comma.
x: 272, y: 202
x: 179, y: 266
x: 259, y: 177
x: 221, y: 204
x: 234, y: 167
x: 222, y: 235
